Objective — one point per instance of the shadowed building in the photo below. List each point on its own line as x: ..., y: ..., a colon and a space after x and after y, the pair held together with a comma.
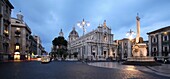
x: 124, y: 48
x: 33, y: 47
x: 20, y: 33
x: 5, y: 27
x: 39, y: 45
x: 159, y: 44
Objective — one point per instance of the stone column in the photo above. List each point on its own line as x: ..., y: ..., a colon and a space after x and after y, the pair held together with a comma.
x: 86, y: 51
x: 1, y: 28
x: 81, y: 52
x: 129, y: 49
x: 150, y: 48
x: 110, y: 52
x: 115, y: 51
x: 122, y: 50
x: 160, y: 44
x: 89, y: 51
x: 1, y: 32
x: 138, y: 28
x: 99, y: 50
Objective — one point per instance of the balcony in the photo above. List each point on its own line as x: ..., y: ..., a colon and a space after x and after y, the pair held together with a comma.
x: 6, y: 33
x: 18, y: 32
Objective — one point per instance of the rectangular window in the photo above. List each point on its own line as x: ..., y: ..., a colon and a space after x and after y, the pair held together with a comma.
x: 0, y: 9
x: 6, y: 8
x: 154, y: 49
x: 5, y: 29
x: 165, y: 48
x: 17, y: 47
x: 165, y: 38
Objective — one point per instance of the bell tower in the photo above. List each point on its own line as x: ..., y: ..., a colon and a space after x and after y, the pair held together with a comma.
x: 61, y: 33
x: 20, y: 16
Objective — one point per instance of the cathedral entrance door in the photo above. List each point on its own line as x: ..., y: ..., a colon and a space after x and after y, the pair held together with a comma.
x: 93, y: 55
x: 104, y: 54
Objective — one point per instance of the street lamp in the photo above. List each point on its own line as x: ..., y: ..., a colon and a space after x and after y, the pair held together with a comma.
x: 82, y: 25
x: 130, y: 36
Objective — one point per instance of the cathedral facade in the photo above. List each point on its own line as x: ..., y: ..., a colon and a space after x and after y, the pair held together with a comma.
x: 95, y: 45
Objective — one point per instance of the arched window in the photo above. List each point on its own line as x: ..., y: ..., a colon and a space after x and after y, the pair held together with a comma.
x: 154, y: 40
x: 105, y: 37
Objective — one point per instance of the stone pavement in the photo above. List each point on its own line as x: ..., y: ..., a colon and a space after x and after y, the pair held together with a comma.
x: 160, y: 70
x: 69, y: 70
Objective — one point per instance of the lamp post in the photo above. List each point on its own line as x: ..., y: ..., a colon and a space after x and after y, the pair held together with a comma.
x: 82, y: 25
x: 130, y: 36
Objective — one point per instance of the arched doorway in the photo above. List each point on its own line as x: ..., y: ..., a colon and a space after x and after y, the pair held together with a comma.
x: 16, y: 56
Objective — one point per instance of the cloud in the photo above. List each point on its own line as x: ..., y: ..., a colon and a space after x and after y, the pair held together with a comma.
x: 47, y: 17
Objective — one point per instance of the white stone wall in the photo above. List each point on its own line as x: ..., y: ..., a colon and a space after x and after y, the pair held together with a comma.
x: 94, y: 40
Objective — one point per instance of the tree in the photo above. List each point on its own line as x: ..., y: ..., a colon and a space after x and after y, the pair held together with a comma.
x: 55, y: 42
x: 62, y: 46
x: 59, y: 41
x: 65, y: 55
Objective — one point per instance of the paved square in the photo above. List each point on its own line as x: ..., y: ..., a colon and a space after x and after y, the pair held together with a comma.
x: 67, y: 70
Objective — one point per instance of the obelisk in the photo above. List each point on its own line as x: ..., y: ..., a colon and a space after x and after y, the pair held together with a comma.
x: 138, y: 28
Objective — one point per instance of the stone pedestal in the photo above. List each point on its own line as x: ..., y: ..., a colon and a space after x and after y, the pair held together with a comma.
x: 140, y: 57
x: 139, y: 50
x: 139, y: 53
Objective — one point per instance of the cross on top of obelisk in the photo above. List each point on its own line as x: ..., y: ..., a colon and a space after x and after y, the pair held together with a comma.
x: 137, y: 17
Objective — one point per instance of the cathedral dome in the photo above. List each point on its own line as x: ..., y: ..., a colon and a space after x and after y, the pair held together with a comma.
x: 73, y: 33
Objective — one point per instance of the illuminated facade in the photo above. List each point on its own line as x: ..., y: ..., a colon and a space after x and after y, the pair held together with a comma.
x: 5, y: 27
x: 20, y: 33
x: 95, y: 45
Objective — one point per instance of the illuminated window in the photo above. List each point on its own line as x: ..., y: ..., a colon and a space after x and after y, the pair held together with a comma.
x: 17, y: 47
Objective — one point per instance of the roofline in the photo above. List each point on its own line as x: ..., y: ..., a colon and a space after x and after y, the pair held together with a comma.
x: 161, y: 29
x: 11, y: 6
x: 25, y: 24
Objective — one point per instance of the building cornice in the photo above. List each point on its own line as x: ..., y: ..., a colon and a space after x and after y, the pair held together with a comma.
x: 159, y: 30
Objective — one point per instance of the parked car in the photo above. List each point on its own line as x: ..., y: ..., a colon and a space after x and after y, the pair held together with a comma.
x: 45, y: 59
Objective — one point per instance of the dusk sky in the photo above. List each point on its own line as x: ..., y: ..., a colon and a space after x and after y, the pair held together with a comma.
x: 47, y: 17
